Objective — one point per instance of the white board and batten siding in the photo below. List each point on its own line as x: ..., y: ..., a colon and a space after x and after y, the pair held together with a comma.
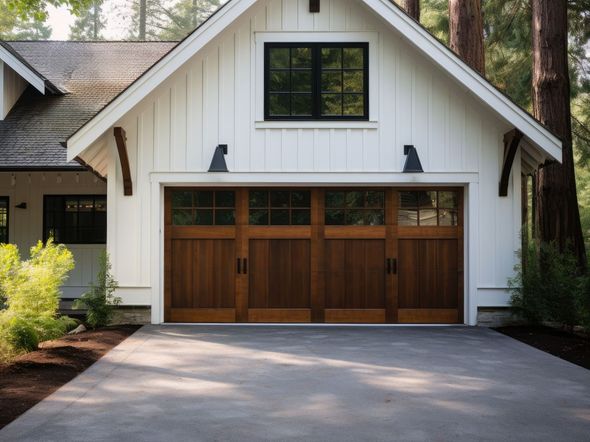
x: 25, y: 226
x: 217, y: 98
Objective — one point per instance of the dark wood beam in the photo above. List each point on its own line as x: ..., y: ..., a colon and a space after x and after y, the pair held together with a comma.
x: 511, y: 141
x: 314, y: 6
x: 121, y: 140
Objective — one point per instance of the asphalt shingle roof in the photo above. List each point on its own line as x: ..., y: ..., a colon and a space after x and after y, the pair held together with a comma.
x: 90, y: 73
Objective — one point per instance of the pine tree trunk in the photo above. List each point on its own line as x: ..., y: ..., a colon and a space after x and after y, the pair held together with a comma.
x: 412, y: 7
x: 466, y: 32
x: 142, y: 19
x: 557, y: 213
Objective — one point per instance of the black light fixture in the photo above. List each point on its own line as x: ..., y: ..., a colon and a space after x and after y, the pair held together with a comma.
x: 218, y: 162
x: 412, y: 164
x: 22, y: 205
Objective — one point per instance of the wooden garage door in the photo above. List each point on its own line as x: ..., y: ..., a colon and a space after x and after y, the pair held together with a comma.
x: 313, y: 255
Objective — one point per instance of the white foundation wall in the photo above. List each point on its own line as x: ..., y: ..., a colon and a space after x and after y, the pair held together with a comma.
x: 215, y: 99
x: 26, y: 225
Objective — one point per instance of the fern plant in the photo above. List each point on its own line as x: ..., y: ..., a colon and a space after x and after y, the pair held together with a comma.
x: 100, y: 301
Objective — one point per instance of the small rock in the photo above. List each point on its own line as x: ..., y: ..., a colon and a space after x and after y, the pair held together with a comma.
x: 77, y: 330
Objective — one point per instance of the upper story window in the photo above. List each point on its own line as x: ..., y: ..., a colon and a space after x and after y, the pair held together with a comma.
x: 316, y: 81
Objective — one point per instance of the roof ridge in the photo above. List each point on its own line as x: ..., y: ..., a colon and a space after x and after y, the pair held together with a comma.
x: 91, y: 41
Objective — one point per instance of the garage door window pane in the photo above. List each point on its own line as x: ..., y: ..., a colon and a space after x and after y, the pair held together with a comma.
x: 355, y: 207
x: 203, y: 207
x: 428, y: 208
x: 279, y: 207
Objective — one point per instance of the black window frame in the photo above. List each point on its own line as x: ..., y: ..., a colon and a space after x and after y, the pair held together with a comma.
x: 6, y: 228
x: 316, y: 72
x: 79, y: 197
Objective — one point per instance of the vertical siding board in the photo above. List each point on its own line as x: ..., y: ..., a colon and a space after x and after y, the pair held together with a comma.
x: 389, y: 54
x: 420, y: 94
x: 304, y: 17
x: 227, y: 98
x: 178, y: 123
x: 354, y: 150
x: 455, y: 130
x: 321, y: 20
x: 305, y: 150
x: 338, y: 157
x: 437, y: 125
x: 210, y: 105
x: 242, y: 84
x: 290, y: 10
x: 370, y: 140
x: 289, y: 156
x: 194, y: 154
x: 321, y: 146
x: 403, y: 105
x: 472, y: 138
x: 274, y: 18
x: 162, y: 160
x: 337, y: 15
x: 274, y: 141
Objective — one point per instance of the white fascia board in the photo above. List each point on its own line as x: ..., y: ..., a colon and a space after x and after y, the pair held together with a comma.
x: 23, y: 70
x: 487, y: 93
x: 154, y: 76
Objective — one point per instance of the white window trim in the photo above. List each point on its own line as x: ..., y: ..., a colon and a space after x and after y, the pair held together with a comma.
x: 372, y: 38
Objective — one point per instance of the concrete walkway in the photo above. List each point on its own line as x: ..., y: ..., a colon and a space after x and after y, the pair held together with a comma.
x: 177, y: 383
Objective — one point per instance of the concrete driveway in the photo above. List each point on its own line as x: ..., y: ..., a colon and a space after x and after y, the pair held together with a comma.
x: 176, y: 383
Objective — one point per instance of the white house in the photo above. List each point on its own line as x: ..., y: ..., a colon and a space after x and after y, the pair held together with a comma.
x: 292, y: 161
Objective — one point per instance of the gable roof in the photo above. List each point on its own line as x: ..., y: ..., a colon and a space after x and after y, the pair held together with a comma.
x: 88, y: 74
x: 22, y: 67
x: 534, y: 132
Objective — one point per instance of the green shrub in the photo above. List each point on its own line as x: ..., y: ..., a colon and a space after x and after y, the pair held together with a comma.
x: 20, y: 334
x: 548, y: 286
x: 31, y: 290
x: 9, y: 265
x: 100, y: 301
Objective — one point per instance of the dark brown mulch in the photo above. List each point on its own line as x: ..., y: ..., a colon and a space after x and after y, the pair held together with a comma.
x: 30, y: 378
x: 572, y: 348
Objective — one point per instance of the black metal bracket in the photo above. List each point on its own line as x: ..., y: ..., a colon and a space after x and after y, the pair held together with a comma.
x: 314, y: 6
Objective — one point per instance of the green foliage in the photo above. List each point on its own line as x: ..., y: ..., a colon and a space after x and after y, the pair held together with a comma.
x: 100, y: 301
x: 19, y: 334
x: 171, y: 21
x: 15, y: 27
x: 32, y: 290
x: 37, y: 9
x: 90, y: 24
x: 548, y: 287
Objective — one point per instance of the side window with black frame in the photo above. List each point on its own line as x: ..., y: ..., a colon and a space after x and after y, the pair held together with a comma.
x: 4, y: 207
x: 75, y: 219
x: 316, y: 81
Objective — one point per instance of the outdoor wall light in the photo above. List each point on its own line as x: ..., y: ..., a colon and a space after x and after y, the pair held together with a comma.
x: 22, y: 205
x: 412, y: 164
x: 218, y: 163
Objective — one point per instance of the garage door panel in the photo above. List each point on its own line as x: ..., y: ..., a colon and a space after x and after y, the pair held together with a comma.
x: 355, y: 274
x: 408, y: 281
x: 280, y: 273
x: 182, y: 273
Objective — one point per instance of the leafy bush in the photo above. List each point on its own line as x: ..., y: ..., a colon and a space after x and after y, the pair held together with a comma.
x: 31, y: 291
x: 548, y: 286
x: 20, y: 334
x: 9, y: 262
x: 100, y: 301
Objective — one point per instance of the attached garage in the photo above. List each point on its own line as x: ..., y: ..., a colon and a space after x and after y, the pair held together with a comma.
x: 336, y: 255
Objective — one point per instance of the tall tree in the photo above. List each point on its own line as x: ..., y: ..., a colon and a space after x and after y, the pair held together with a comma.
x: 142, y: 19
x: 412, y: 7
x: 466, y: 32
x: 15, y: 27
x: 90, y: 24
x: 558, y: 217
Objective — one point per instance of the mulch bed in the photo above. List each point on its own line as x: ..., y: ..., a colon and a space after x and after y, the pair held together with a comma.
x: 30, y: 378
x: 572, y: 348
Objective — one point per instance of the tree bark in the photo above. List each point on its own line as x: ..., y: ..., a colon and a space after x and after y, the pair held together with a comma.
x: 142, y: 19
x: 557, y: 213
x: 412, y: 7
x: 466, y: 32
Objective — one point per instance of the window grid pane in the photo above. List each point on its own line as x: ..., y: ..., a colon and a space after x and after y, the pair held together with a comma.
x: 428, y: 208
x: 203, y: 208
x: 361, y: 208
x: 3, y: 220
x: 76, y: 219
x: 279, y: 207
x: 316, y: 81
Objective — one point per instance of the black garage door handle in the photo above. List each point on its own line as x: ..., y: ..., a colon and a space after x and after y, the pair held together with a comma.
x: 245, y: 267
